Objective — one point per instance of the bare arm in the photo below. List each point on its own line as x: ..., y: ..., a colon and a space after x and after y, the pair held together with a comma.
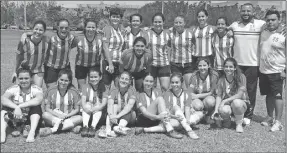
x: 101, y: 106
x: 127, y: 108
x: 148, y: 114
x: 33, y: 102
x: 5, y: 101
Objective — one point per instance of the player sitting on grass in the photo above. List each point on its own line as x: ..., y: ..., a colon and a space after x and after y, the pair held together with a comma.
x: 121, y: 102
x: 21, y: 103
x: 62, y: 105
x: 153, y: 114
x: 94, y: 102
x: 232, y: 97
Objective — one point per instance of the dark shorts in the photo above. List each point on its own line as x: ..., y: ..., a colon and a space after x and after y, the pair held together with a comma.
x: 51, y: 74
x: 220, y: 73
x: 195, y: 58
x: 163, y: 71
x: 143, y: 121
x: 139, y: 75
x: 183, y: 69
x: 271, y: 84
x: 81, y: 72
x: 108, y: 77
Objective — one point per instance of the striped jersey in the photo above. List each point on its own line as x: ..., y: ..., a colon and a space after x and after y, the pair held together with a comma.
x: 89, y: 53
x: 65, y: 103
x: 246, y: 41
x: 32, y: 55
x: 184, y: 99
x: 202, y: 40
x: 122, y: 99
x: 143, y: 99
x: 181, y: 46
x: 59, y: 51
x: 222, y: 48
x: 93, y: 95
x: 158, y: 44
x: 200, y: 85
x: 115, y: 40
x: 132, y: 63
x: 272, y: 52
x: 19, y: 97
x: 226, y: 89
x: 130, y: 38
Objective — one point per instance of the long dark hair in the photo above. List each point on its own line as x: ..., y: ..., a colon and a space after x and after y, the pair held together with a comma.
x: 101, y: 85
x: 69, y: 73
x: 237, y: 74
x: 147, y: 74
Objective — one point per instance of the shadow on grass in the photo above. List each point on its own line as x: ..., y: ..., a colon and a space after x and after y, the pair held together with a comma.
x: 257, y: 118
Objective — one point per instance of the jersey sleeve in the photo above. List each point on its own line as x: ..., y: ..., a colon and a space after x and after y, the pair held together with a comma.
x: 214, y: 80
x: 219, y: 89
x: 75, y: 42
x: 113, y: 93
x: 37, y: 89
x: 242, y: 85
x: 76, y: 97
x: 192, y: 82
x: 140, y: 101
x: 20, y: 47
x: 85, y: 90
x: 126, y: 57
x: 107, y: 34
x: 132, y: 93
x: 187, y: 101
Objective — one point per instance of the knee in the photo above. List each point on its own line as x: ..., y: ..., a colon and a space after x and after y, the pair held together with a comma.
x: 209, y: 101
x: 237, y: 103
x: 46, y: 115
x: 225, y: 111
x: 197, y: 105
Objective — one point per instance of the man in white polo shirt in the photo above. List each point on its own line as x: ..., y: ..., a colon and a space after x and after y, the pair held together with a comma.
x: 246, y: 40
x: 272, y: 69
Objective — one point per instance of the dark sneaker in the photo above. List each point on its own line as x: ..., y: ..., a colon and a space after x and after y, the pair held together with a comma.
x: 92, y: 132
x: 174, y: 134
x: 85, y: 131
x: 139, y: 130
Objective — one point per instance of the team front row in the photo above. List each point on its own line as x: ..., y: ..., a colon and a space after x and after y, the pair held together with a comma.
x: 211, y: 97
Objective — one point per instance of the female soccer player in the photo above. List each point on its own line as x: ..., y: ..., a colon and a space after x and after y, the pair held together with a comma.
x: 121, y: 102
x: 179, y: 102
x: 89, y: 53
x: 153, y: 114
x: 232, y: 97
x: 62, y: 105
x: 222, y: 44
x: 94, y: 102
x: 137, y: 61
x: 202, y: 87
x: 31, y: 51
x: 22, y: 102
x: 58, y: 53
x: 181, y: 49
x: 113, y: 42
x: 159, y: 44
x: 135, y: 31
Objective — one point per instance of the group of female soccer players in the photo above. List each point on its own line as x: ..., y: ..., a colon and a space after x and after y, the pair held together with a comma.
x: 197, y: 75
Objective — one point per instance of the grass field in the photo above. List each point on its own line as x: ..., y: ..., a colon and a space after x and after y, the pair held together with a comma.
x: 254, y: 139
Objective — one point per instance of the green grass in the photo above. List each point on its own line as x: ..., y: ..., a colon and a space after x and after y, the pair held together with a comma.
x: 254, y: 139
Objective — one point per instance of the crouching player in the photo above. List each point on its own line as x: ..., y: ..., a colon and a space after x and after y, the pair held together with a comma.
x: 62, y: 106
x: 21, y: 103
x: 232, y: 98
x: 153, y: 114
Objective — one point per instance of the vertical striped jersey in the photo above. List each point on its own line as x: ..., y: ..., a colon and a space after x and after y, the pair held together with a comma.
x: 226, y: 89
x: 272, y: 52
x: 184, y: 99
x: 181, y: 46
x: 132, y: 63
x: 32, y: 55
x: 89, y: 53
x: 246, y: 42
x: 159, y: 44
x: 200, y: 85
x: 65, y: 103
x: 130, y: 38
x: 144, y: 100
x: 58, y: 52
x: 122, y: 99
x: 222, y: 48
x: 18, y: 97
x: 202, y: 40
x: 115, y: 40
x: 93, y: 94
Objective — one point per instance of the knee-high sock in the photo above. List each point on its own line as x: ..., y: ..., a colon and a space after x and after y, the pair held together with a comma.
x: 86, y: 118
x: 96, y: 119
x: 239, y: 119
x: 159, y: 128
x: 108, y: 125
x: 184, y: 121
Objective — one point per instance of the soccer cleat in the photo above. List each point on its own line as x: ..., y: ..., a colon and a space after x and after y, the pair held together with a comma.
x: 16, y: 133
x: 92, y: 132
x: 85, y: 132
x: 119, y: 130
x: 26, y: 131
x: 277, y: 126
x: 192, y: 135
x: 226, y: 123
x: 268, y: 121
x: 45, y: 132
x: 246, y: 121
x: 104, y: 134
x: 139, y: 130
x: 239, y: 128
x: 174, y: 134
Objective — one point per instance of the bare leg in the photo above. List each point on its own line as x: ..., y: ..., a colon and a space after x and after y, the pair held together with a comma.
x: 164, y: 83
x: 34, y: 118
x: 4, y: 126
x: 38, y: 79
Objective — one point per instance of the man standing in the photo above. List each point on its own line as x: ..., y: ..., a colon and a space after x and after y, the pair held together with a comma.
x: 272, y: 69
x: 246, y: 39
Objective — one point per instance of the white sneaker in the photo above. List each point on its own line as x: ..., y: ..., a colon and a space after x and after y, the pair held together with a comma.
x: 246, y: 121
x: 277, y: 126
